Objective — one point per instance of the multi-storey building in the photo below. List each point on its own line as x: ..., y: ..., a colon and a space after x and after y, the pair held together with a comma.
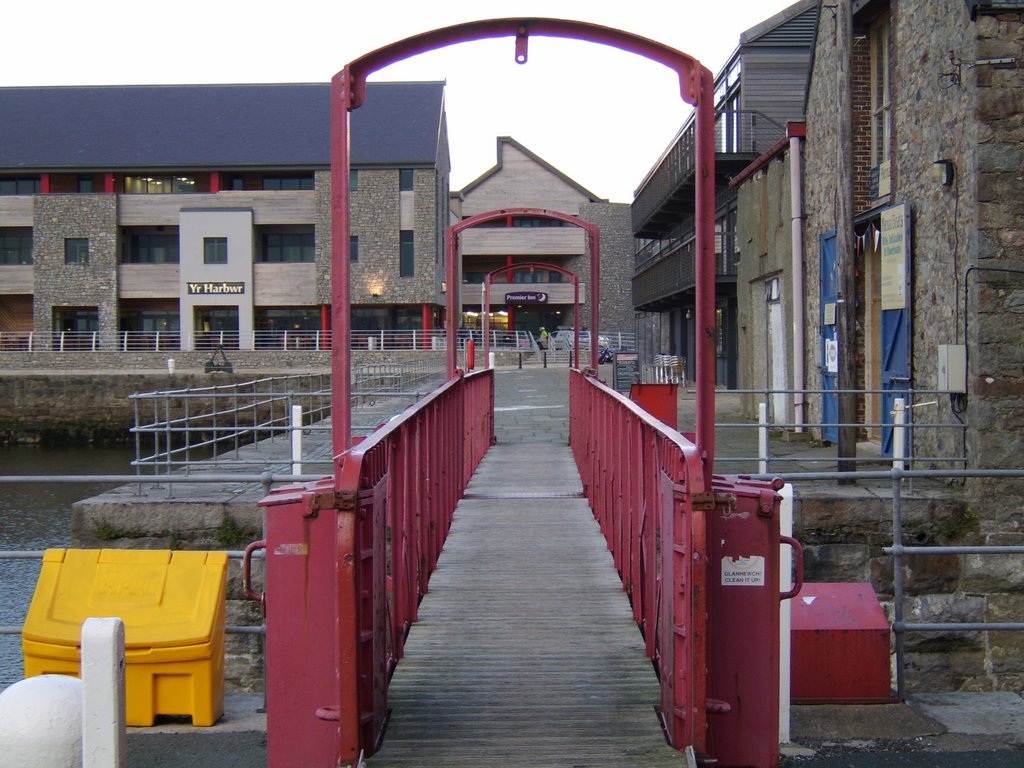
x: 534, y: 297
x: 180, y: 217
x: 910, y: 277
x: 761, y: 87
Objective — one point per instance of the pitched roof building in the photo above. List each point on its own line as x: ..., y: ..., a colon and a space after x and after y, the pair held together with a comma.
x: 200, y: 213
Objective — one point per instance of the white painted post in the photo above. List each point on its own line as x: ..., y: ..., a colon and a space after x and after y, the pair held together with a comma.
x: 762, y: 438
x: 104, y: 740
x: 785, y: 620
x: 296, y: 439
x: 899, y: 433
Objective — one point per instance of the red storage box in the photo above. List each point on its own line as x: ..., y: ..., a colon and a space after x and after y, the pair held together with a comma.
x: 840, y: 650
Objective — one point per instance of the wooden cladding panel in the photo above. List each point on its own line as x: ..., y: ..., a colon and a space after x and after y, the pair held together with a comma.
x: 148, y: 281
x: 286, y: 207
x: 284, y: 284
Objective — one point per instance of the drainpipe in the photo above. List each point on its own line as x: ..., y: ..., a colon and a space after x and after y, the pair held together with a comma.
x: 796, y: 132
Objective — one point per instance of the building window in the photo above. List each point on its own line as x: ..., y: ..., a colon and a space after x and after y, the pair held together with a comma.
x: 353, y: 179
x: 288, y: 182
x: 159, y: 185
x: 84, y: 184
x: 15, y: 249
x: 20, y: 186
x: 288, y: 247
x: 406, y: 254
x: 881, y: 132
x: 353, y: 248
x: 152, y: 249
x: 215, y: 250
x: 405, y: 179
x: 76, y: 250
x: 216, y: 326
x: 75, y: 328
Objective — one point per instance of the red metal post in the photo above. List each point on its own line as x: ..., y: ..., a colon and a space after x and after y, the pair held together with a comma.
x: 594, y: 243
x: 301, y: 625
x: 705, y: 267
x: 485, y: 319
x: 454, y: 286
x: 341, y: 368
x: 427, y: 321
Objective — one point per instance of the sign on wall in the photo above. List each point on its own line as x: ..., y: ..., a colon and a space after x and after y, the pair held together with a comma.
x: 526, y: 297
x: 894, y: 243
x: 215, y: 288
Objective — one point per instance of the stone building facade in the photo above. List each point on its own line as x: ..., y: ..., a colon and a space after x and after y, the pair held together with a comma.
x: 521, y: 179
x: 937, y: 156
x: 182, y: 217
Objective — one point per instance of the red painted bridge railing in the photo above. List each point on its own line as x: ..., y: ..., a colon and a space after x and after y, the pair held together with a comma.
x: 347, y: 562
x: 641, y: 479
x: 700, y: 562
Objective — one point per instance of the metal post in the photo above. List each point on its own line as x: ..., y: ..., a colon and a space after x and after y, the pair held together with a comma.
x: 762, y: 438
x: 897, y: 579
x: 296, y: 439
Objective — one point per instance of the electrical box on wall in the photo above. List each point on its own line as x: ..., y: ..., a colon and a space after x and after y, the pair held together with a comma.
x: 952, y: 368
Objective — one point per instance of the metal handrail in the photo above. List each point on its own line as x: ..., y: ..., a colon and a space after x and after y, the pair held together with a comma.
x: 898, y: 550
x: 183, y: 429
x: 913, y: 397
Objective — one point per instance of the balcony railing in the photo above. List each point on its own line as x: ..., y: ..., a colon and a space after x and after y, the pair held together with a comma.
x: 736, y: 133
x: 292, y: 340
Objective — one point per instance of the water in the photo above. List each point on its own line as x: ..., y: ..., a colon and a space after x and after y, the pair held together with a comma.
x: 35, y: 516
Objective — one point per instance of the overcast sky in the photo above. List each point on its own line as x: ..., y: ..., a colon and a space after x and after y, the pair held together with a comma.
x: 600, y: 115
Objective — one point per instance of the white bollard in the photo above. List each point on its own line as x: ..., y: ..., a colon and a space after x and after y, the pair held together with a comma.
x: 170, y: 365
x: 296, y: 439
x: 490, y: 359
x: 785, y: 610
x: 899, y: 433
x: 104, y: 740
x: 41, y: 723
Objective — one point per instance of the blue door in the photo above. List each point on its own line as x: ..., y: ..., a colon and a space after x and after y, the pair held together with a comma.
x: 829, y: 351
x: 895, y: 321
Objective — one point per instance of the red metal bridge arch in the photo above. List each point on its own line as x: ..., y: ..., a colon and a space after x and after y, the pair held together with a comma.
x: 593, y: 248
x: 359, y: 711
x: 348, y: 91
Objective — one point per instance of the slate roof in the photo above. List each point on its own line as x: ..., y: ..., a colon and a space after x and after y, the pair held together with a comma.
x: 212, y: 126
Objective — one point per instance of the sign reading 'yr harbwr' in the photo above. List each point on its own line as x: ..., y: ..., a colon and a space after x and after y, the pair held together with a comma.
x: 206, y: 289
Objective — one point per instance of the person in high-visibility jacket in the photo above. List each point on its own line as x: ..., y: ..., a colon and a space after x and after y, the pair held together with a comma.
x: 544, y: 338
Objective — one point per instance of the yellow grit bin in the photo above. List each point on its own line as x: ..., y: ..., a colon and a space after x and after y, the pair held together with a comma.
x: 172, y: 607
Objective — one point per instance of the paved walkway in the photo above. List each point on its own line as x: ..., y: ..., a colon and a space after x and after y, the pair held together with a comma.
x: 525, y: 653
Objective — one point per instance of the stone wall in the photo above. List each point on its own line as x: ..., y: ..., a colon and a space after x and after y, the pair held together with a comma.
x: 764, y: 238
x: 942, y: 109
x: 995, y: 289
x: 617, y: 244
x: 83, y: 397
x: 56, y: 218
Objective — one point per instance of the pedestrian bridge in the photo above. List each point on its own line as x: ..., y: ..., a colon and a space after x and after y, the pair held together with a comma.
x: 523, y: 569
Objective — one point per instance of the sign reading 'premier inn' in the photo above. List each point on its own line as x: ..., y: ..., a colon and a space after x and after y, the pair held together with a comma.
x: 527, y: 297
x: 210, y: 289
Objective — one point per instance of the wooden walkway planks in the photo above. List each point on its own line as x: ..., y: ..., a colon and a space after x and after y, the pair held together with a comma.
x: 525, y: 653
